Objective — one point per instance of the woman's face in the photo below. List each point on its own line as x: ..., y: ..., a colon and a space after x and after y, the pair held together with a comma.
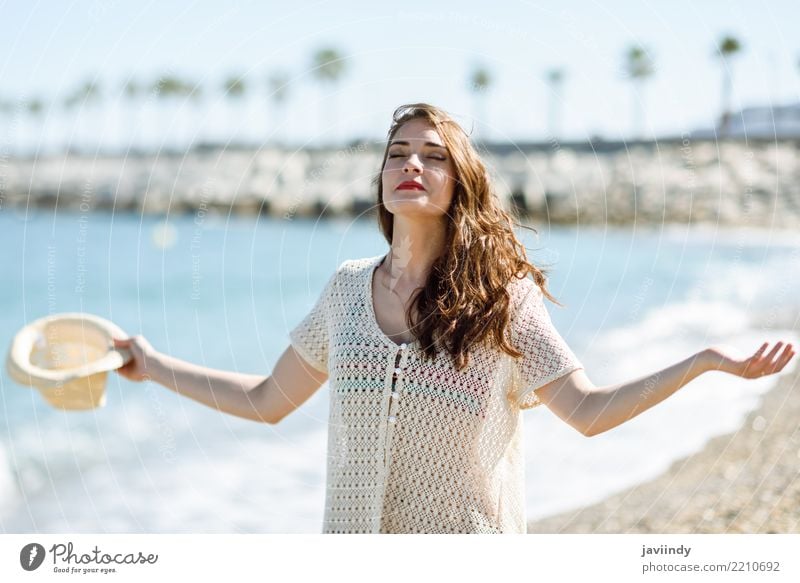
x: 418, y: 177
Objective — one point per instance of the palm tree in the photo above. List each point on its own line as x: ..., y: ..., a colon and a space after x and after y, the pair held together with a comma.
x: 131, y: 91
x: 7, y: 112
x: 555, y: 79
x: 91, y: 95
x: 194, y: 92
x: 70, y: 102
x: 278, y: 92
x: 85, y: 97
x: 234, y: 88
x: 178, y: 91
x: 479, y: 82
x: 727, y: 48
x: 35, y: 107
x: 638, y: 67
x: 328, y: 68
x: 168, y: 88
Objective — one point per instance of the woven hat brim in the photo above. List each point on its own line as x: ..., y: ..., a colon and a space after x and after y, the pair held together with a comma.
x: 22, y: 370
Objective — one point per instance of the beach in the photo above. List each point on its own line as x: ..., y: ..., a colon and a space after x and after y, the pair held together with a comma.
x: 224, y: 293
x: 743, y: 482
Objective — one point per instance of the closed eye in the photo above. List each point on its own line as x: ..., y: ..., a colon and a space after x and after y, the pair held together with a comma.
x: 442, y: 158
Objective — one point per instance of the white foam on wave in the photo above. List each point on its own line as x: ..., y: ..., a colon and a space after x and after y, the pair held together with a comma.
x: 565, y: 470
x: 116, y: 476
x: 8, y: 490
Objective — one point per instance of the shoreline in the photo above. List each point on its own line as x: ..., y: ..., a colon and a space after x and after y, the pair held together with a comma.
x: 742, y: 482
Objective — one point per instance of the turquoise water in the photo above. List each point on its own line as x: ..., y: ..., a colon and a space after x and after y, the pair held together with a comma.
x: 224, y: 293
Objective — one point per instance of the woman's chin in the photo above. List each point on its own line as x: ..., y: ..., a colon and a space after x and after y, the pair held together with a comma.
x: 399, y: 203
x: 418, y: 212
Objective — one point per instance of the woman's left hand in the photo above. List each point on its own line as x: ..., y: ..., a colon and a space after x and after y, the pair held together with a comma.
x: 758, y: 365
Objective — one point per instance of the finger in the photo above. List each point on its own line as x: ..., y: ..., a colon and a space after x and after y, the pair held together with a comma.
x: 121, y: 341
x: 786, y: 349
x: 774, y: 351
x: 756, y: 360
x: 786, y: 356
x: 776, y: 365
x: 757, y: 365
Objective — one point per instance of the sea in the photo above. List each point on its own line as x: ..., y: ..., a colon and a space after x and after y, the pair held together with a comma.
x: 224, y: 291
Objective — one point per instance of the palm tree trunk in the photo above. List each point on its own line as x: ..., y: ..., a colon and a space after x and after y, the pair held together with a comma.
x: 636, y: 116
x: 553, y: 116
x: 484, y: 107
x: 727, y: 90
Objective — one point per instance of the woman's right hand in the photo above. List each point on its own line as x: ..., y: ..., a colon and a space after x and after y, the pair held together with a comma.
x: 139, y: 367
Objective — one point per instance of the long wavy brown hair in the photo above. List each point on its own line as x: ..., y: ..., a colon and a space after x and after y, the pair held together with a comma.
x: 465, y: 300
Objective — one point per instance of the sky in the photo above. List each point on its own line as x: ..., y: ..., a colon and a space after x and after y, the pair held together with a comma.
x: 400, y: 52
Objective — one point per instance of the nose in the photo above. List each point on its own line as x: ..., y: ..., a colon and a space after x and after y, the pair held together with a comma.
x: 412, y: 165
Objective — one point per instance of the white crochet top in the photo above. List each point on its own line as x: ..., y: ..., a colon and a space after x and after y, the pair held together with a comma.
x: 416, y: 446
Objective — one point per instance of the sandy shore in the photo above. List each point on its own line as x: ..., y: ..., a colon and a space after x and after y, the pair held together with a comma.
x: 744, y: 482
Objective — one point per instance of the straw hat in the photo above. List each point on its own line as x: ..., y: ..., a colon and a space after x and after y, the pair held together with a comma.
x: 67, y: 358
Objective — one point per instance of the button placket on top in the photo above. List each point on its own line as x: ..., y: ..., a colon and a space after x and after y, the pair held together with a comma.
x: 396, y: 360
x: 397, y: 363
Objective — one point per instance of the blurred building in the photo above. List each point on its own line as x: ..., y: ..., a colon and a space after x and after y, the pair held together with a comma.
x: 776, y: 122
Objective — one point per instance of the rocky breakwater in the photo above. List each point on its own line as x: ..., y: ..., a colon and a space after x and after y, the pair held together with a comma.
x: 676, y: 180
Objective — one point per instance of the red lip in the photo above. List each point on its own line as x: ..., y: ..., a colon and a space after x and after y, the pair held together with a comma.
x: 409, y: 185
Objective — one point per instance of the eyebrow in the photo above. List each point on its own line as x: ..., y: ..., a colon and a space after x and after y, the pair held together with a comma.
x: 404, y: 143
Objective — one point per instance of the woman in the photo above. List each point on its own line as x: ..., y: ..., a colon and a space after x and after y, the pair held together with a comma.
x: 432, y: 352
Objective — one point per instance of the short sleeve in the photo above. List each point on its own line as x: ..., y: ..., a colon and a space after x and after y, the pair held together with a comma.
x: 546, y: 355
x: 310, y: 338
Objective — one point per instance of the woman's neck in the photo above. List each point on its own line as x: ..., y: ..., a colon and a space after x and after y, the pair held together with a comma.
x: 415, y: 247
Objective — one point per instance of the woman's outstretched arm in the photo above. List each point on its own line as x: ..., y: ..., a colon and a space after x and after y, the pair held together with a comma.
x: 258, y: 398
x: 593, y: 410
